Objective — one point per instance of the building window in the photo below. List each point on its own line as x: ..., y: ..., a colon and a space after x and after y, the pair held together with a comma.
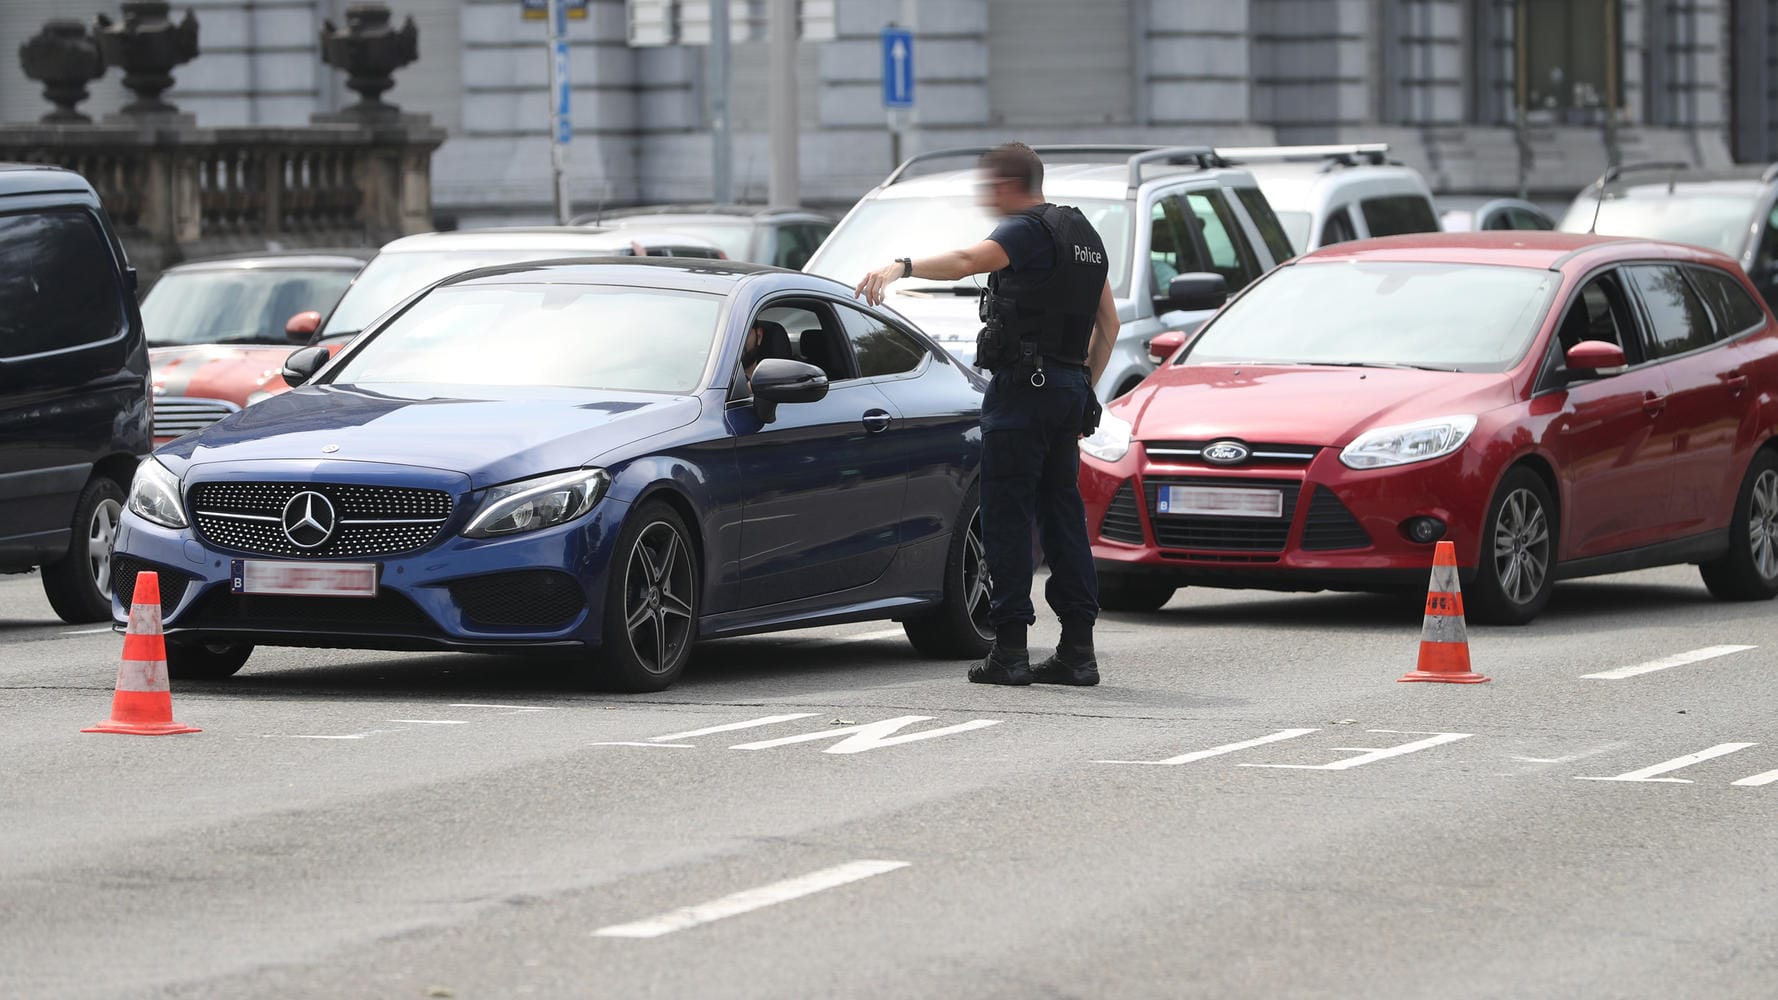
x: 1568, y: 54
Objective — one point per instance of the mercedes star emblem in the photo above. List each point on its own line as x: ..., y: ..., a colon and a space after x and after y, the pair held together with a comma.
x: 309, y: 520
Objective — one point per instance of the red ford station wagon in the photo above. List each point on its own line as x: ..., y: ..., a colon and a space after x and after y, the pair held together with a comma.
x: 1557, y: 405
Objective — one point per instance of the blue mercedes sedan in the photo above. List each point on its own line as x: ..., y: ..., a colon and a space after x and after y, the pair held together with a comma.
x: 612, y: 458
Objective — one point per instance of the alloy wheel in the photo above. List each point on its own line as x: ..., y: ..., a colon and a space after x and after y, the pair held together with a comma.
x: 1762, y: 527
x: 978, y: 585
x: 1522, y: 546
x: 101, y: 536
x: 657, y: 597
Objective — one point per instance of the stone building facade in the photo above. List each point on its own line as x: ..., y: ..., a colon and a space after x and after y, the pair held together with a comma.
x: 1483, y: 95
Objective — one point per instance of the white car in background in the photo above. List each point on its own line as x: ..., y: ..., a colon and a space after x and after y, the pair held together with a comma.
x: 1482, y: 213
x: 1331, y: 194
x: 1182, y: 233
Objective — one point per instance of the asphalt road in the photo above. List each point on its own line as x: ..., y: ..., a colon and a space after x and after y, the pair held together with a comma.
x: 1249, y: 806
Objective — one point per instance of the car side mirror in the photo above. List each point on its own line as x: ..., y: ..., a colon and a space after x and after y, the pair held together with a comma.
x: 1197, y: 291
x: 302, y: 365
x: 779, y: 380
x: 1595, y: 359
x: 299, y: 328
x: 1164, y: 345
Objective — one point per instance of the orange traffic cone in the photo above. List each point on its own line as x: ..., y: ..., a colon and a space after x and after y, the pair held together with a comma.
x: 1444, y: 641
x: 143, y: 704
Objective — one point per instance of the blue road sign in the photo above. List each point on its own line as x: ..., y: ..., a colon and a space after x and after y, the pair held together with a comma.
x: 564, y: 122
x: 898, y: 68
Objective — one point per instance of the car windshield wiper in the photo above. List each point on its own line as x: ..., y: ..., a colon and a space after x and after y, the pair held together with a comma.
x: 1377, y: 364
x: 929, y: 291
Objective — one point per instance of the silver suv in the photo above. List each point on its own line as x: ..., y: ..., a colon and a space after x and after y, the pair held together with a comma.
x: 1331, y: 194
x: 1164, y: 213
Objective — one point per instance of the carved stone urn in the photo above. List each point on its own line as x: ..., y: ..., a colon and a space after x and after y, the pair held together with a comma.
x: 370, y: 51
x: 146, y: 44
x: 64, y: 58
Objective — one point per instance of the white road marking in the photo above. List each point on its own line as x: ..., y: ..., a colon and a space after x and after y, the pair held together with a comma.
x: 1187, y: 758
x: 349, y: 736
x: 871, y: 736
x: 1596, y: 751
x: 516, y: 709
x: 751, y: 899
x: 1648, y: 773
x: 1676, y: 660
x: 88, y: 631
x: 631, y: 743
x: 1370, y: 755
x: 731, y: 727
x: 1763, y: 778
x: 433, y: 722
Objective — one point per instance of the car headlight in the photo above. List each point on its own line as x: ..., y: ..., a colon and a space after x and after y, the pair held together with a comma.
x: 154, y: 495
x: 544, y: 502
x: 1111, y: 441
x: 1405, y: 444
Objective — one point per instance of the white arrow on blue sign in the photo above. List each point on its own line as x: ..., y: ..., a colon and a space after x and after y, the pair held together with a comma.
x: 564, y: 123
x: 898, y: 68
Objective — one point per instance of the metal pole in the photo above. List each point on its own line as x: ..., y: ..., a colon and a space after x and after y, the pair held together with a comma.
x: 782, y: 97
x: 559, y: 123
x: 722, y: 148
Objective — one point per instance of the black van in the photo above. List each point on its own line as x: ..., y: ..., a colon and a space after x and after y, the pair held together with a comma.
x: 74, y: 396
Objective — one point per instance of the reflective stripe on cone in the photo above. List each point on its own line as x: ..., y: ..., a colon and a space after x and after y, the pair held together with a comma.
x: 1444, y: 638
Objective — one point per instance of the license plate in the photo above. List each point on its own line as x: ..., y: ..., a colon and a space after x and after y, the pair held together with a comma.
x: 293, y: 579
x: 1220, y: 501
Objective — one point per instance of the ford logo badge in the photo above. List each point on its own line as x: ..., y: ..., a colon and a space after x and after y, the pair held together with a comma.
x: 1227, y: 453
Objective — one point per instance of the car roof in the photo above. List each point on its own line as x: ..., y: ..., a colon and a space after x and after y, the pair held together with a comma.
x: 1509, y: 248
x: 1061, y: 181
x: 571, y: 240
x: 686, y: 213
x: 1299, y: 186
x: 688, y: 273
x: 35, y: 178
x: 276, y: 260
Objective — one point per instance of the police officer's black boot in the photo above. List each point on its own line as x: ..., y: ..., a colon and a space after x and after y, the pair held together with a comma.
x: 1008, y: 661
x: 1073, y: 661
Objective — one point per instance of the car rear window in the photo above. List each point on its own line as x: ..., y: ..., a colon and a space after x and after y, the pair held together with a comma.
x: 1398, y: 214
x: 1736, y: 311
x: 57, y: 289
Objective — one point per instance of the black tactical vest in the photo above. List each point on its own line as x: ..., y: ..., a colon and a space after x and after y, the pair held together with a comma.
x: 1055, y: 310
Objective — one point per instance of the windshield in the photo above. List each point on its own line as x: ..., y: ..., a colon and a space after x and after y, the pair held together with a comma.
x: 392, y: 277
x: 239, y: 306
x: 1296, y: 226
x: 581, y: 336
x: 1713, y: 221
x: 734, y: 238
x: 885, y: 228
x: 1458, y: 317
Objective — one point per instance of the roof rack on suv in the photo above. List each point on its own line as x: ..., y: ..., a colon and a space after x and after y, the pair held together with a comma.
x: 1375, y: 154
x: 1135, y: 157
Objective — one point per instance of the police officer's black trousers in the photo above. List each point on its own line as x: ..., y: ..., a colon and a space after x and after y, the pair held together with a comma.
x: 1030, y: 475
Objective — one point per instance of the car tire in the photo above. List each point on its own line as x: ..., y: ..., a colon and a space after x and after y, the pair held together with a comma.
x: 205, y: 661
x: 78, y: 585
x: 958, y: 629
x: 1749, y: 570
x: 1515, y: 572
x: 651, y: 603
x: 1129, y: 592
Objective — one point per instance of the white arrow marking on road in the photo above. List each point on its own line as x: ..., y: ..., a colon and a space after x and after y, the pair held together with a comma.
x: 751, y: 899
x: 1764, y: 778
x: 871, y: 736
x: 1676, y: 660
x: 1370, y: 755
x: 1187, y: 758
x: 1648, y: 773
x: 769, y: 720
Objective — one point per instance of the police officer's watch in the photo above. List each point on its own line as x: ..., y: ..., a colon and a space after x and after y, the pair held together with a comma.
x: 907, y: 266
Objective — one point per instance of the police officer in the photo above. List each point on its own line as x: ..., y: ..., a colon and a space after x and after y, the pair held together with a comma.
x: 1049, y: 323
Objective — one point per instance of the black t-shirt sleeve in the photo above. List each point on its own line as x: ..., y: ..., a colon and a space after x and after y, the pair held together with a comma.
x: 1024, y: 240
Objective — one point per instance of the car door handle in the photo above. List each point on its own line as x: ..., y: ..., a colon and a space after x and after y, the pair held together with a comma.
x: 1737, y: 382
x: 1653, y: 404
x: 876, y: 421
